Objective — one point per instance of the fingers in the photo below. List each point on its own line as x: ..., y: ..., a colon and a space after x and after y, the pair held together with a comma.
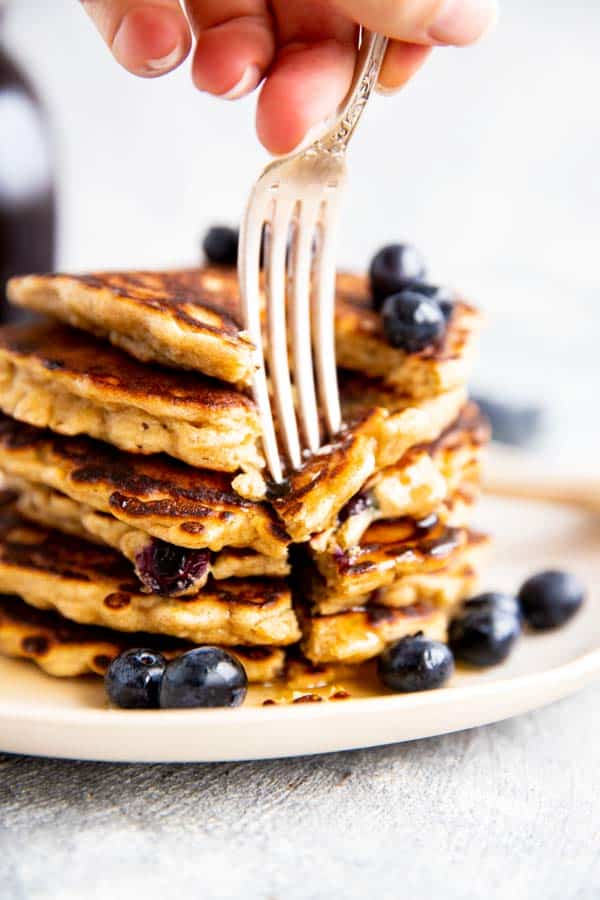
x: 147, y: 38
x: 235, y: 45
x: 305, y: 85
x: 455, y: 22
x: 312, y: 72
x: 400, y: 64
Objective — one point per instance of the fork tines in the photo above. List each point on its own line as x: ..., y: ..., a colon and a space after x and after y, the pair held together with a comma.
x: 296, y: 240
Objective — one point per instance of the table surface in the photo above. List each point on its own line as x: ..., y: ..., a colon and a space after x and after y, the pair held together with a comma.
x: 509, y: 810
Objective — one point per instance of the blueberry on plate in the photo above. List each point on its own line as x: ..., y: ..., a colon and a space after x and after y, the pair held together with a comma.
x: 485, y: 636
x: 205, y: 676
x: 393, y: 268
x: 412, y: 321
x: 494, y: 600
x: 415, y: 664
x: 132, y: 680
x: 550, y: 599
x: 220, y: 245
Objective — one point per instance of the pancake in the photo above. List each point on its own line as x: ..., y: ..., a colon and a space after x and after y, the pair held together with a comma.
x: 65, y: 649
x: 360, y: 634
x: 191, y: 319
x: 53, y: 376
x: 303, y: 675
x: 443, y: 588
x: 186, y: 571
x: 420, y: 483
x: 388, y: 549
x: 187, y: 319
x: 381, y: 427
x: 169, y: 500
x: 361, y: 344
x: 94, y: 585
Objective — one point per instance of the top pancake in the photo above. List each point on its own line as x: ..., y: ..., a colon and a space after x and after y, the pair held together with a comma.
x: 54, y: 376
x: 185, y: 318
x: 191, y: 319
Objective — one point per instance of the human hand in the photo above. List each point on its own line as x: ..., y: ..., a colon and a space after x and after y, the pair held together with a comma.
x: 304, y: 50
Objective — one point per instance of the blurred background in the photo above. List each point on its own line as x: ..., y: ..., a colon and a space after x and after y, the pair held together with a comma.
x: 487, y: 161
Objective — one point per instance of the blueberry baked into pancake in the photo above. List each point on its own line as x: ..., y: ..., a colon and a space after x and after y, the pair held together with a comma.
x: 160, y: 513
x: 142, y: 538
x: 94, y: 585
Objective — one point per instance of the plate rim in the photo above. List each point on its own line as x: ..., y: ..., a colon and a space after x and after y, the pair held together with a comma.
x: 581, y: 670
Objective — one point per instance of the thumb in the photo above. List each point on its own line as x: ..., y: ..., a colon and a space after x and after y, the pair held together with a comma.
x: 455, y: 22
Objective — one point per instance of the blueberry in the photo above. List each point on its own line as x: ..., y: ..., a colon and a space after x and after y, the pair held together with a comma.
x: 361, y: 502
x: 550, y: 599
x: 170, y: 570
x: 206, y: 676
x: 415, y: 664
x: 494, y: 600
x: 132, y: 680
x: 512, y: 423
x: 444, y: 295
x: 393, y: 268
x: 412, y: 321
x: 484, y: 636
x: 220, y: 245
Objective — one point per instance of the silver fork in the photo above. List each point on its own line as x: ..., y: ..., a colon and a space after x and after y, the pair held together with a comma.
x: 295, y: 204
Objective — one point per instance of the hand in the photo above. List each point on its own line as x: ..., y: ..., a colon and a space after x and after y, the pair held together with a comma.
x: 303, y: 49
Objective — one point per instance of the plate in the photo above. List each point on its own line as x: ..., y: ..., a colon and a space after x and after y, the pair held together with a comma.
x: 43, y: 716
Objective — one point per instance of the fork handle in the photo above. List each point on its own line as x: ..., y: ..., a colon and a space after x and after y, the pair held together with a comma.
x: 370, y: 58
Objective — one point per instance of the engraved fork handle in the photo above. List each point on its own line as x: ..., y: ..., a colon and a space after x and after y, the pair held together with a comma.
x: 370, y: 58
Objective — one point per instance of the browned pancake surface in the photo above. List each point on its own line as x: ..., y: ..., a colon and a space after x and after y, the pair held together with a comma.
x: 66, y: 648
x: 65, y: 351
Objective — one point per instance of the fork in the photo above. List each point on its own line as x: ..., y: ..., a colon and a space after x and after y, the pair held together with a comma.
x: 291, y: 219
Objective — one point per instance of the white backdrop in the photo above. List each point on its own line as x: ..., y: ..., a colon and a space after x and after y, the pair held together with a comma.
x: 488, y: 161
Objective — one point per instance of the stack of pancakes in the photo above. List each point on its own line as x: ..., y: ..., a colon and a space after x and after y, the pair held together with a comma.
x: 138, y: 510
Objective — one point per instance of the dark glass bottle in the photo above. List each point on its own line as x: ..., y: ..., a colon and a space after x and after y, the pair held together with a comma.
x: 27, y: 198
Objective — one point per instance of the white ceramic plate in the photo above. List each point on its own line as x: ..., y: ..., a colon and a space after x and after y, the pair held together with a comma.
x: 45, y: 716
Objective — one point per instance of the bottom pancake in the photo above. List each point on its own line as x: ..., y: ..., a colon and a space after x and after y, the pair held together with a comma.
x: 65, y: 649
x: 95, y: 585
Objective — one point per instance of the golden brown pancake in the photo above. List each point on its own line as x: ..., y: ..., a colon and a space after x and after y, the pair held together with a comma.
x: 361, y: 344
x: 64, y: 649
x: 187, y: 319
x: 95, y: 585
x: 191, y: 319
x: 53, y: 376
x: 382, y: 426
x: 360, y: 634
x: 443, y: 587
x: 187, y: 571
x: 387, y: 550
x: 184, y: 506
x: 423, y: 481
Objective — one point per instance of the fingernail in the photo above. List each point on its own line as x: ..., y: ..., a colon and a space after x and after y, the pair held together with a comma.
x: 165, y: 62
x: 461, y: 21
x: 386, y: 91
x: 247, y: 83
